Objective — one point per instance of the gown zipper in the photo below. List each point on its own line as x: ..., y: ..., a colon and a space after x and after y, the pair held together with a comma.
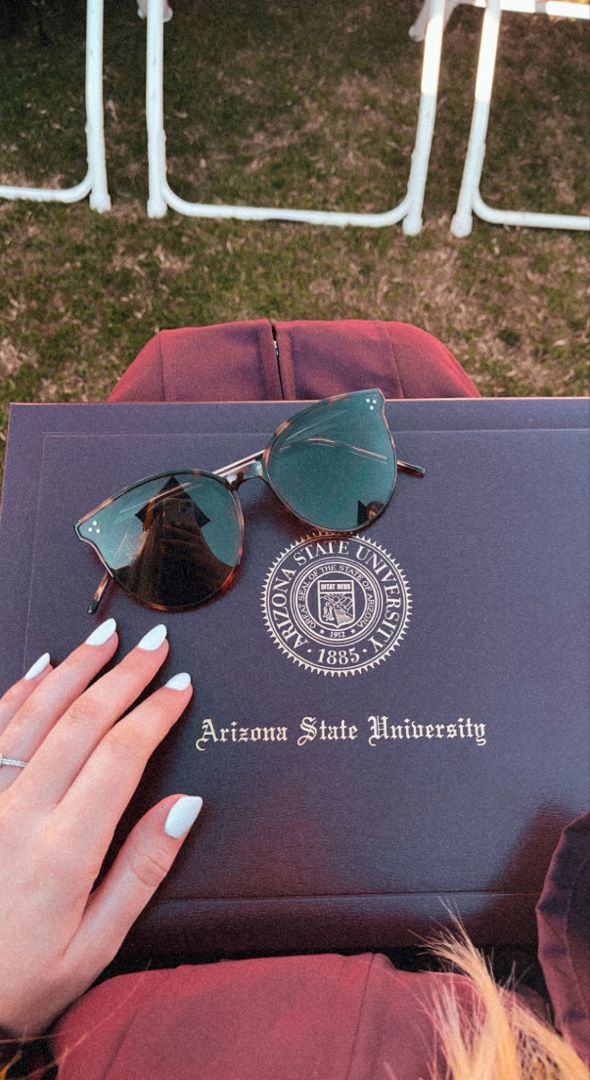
x: 276, y: 345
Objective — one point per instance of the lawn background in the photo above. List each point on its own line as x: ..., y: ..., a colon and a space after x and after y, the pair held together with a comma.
x: 299, y: 103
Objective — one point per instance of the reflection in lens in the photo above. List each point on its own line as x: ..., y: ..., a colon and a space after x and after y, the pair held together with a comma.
x: 172, y: 541
x: 334, y: 464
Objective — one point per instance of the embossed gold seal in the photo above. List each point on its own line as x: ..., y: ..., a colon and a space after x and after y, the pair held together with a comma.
x: 336, y: 605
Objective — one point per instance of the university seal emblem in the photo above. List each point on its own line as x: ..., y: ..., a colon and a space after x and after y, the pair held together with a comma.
x: 336, y: 605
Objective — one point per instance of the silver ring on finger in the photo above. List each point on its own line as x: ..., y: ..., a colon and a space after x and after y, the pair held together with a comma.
x: 12, y: 761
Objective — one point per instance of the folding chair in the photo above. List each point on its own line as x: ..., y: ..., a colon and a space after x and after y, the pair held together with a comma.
x: 409, y: 210
x: 470, y: 200
x: 94, y: 183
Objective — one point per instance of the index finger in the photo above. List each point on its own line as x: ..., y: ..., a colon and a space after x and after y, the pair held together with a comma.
x: 17, y: 694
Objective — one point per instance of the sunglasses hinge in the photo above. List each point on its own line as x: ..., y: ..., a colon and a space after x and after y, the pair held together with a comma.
x: 247, y: 469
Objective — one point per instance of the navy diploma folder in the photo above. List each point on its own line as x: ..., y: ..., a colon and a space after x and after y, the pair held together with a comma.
x: 386, y: 727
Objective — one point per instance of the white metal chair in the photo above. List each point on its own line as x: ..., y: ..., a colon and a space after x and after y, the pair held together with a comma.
x: 94, y: 183
x: 470, y: 200
x: 409, y: 210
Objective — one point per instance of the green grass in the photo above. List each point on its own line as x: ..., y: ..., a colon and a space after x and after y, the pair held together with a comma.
x: 295, y: 104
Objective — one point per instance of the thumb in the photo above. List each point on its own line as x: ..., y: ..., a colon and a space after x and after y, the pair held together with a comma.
x: 140, y: 866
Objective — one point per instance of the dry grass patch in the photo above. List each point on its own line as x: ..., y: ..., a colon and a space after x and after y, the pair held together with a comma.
x: 74, y: 385
x: 12, y: 359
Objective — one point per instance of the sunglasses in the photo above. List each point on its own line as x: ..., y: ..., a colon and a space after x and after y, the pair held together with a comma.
x: 175, y: 540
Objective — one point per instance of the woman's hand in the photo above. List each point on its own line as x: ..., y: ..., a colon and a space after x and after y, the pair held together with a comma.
x: 58, y: 815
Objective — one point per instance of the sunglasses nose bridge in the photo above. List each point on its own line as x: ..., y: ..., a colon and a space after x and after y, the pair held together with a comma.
x: 249, y: 470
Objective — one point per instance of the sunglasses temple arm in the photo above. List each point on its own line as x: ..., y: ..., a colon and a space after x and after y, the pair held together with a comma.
x: 93, y: 605
x: 413, y: 470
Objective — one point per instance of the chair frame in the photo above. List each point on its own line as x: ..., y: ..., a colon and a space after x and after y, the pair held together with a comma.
x: 409, y: 210
x: 94, y: 183
x: 470, y: 200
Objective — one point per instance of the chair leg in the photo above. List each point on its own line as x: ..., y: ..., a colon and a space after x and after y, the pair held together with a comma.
x: 154, y: 105
x: 412, y: 223
x: 99, y: 195
x: 462, y: 222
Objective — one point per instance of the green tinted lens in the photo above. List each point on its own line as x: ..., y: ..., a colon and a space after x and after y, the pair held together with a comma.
x: 172, y: 541
x: 334, y: 464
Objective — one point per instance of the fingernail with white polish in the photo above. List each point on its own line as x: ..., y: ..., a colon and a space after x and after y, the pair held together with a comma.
x: 183, y: 814
x: 37, y: 667
x: 102, y: 633
x: 153, y: 639
x: 181, y: 681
